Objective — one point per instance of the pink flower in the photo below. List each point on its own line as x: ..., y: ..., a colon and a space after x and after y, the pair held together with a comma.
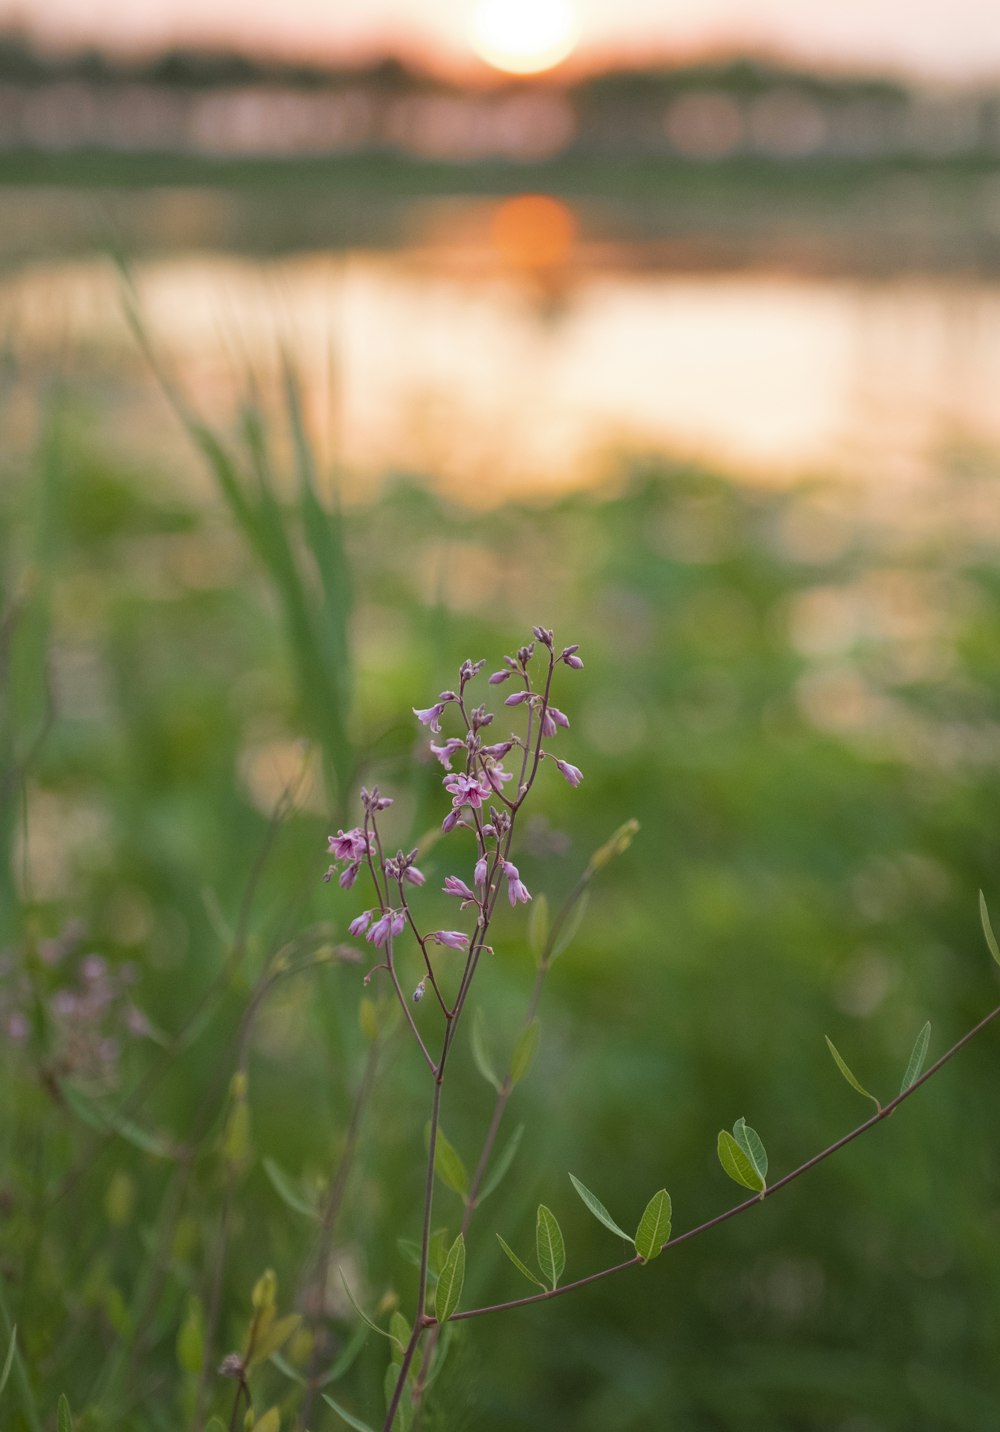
x: 498, y: 751
x: 391, y: 923
x: 552, y: 719
x: 573, y: 774
x: 348, y: 876
x: 496, y: 775
x: 516, y: 888
x: 467, y: 790
x: 413, y: 876
x: 446, y: 752
x: 516, y: 698
x: 480, y: 875
x: 498, y: 677
x: 454, y: 939
x: 348, y: 844
x: 360, y: 923
x: 569, y: 656
x: 454, y: 886
x: 430, y: 716
x: 450, y: 821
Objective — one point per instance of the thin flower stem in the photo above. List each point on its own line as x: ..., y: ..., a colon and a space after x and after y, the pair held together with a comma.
x: 500, y: 1108
x: 420, y: 1320
x: 331, y: 1212
x: 525, y: 786
x: 748, y: 1203
x: 423, y: 949
x: 405, y: 1007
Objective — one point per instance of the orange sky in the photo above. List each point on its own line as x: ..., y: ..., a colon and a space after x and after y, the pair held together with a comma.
x: 946, y: 37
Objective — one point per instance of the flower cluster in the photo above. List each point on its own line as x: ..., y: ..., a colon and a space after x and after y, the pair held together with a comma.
x: 81, y: 1003
x: 487, y: 782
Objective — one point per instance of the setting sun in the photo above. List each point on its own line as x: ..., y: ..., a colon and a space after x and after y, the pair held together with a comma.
x: 524, y: 37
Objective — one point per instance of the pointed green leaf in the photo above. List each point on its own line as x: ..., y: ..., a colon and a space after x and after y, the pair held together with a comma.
x: 270, y: 1422
x: 568, y: 931
x: 449, y: 1288
x: 275, y: 1337
x: 437, y: 1251
x: 598, y: 1210
x: 399, y: 1331
x: 991, y: 939
x: 64, y: 1418
x: 481, y: 1052
x: 502, y: 1164
x: 8, y: 1361
x: 354, y: 1422
x: 654, y: 1226
x: 358, y: 1309
x: 916, y: 1058
x: 404, y: 1408
x: 106, y: 1120
x: 736, y: 1164
x: 281, y: 1362
x: 286, y: 1190
x: 409, y: 1250
x: 191, y: 1339
x: 617, y: 845
x: 751, y: 1144
x: 847, y: 1073
x: 521, y: 1267
x: 448, y: 1164
x: 347, y: 1357
x: 550, y: 1250
x: 524, y: 1052
x: 538, y: 927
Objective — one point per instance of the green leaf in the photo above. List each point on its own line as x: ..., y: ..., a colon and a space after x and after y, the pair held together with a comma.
x: 110, y: 1121
x: 481, y: 1052
x: 524, y: 1052
x: 448, y: 1164
x: 270, y: 1422
x: 399, y: 1331
x: 654, y: 1227
x: 216, y: 1424
x: 8, y: 1361
x: 354, y: 1422
x: 847, y: 1073
x: 538, y: 927
x: 617, y: 845
x: 449, y: 1288
x: 360, y: 1312
x: 437, y: 1251
x: 991, y: 939
x: 409, y: 1250
x: 916, y: 1058
x: 64, y: 1418
x: 598, y: 1210
x: 274, y: 1337
x: 404, y: 1407
x: 550, y: 1250
x: 567, y: 932
x: 347, y: 1357
x: 191, y: 1339
x: 521, y: 1267
x: 286, y: 1190
x: 751, y: 1144
x: 736, y: 1164
x: 502, y: 1164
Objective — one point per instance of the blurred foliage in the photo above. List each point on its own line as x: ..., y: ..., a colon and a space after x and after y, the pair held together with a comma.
x: 795, y: 695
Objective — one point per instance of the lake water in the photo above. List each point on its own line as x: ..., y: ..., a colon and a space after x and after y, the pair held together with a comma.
x: 503, y: 347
